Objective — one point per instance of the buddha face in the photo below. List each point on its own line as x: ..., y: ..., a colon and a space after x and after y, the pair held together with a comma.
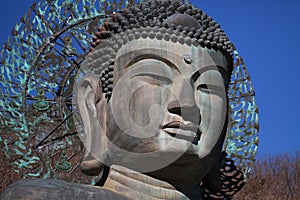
x: 168, y: 108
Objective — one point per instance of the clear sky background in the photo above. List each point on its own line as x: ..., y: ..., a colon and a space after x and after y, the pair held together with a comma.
x: 267, y: 35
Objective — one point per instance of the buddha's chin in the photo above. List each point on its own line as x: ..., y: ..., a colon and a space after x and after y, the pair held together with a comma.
x: 157, y: 152
x: 187, y: 168
x: 175, y: 143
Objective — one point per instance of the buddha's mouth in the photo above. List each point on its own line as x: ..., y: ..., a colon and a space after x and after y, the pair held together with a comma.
x: 189, y: 131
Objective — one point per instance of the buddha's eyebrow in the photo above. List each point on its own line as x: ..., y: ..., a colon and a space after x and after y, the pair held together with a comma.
x: 151, y: 56
x: 220, y: 69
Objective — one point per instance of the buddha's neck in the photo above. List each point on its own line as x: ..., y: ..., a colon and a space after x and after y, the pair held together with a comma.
x: 134, y: 185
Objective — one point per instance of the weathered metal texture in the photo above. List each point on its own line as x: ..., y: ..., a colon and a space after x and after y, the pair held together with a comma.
x: 38, y: 66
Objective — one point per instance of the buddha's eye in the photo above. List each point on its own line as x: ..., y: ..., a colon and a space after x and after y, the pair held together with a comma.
x: 210, y: 82
x: 154, y: 78
x: 210, y: 88
x: 152, y: 71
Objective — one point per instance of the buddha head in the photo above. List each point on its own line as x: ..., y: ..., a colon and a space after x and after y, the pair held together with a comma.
x: 155, y: 96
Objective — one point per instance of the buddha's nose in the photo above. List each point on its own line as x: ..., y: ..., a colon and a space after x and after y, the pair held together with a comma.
x: 182, y: 101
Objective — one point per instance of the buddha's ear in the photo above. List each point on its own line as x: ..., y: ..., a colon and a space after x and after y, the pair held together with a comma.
x: 92, y: 107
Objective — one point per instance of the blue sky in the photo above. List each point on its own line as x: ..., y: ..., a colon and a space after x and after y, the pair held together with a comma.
x: 266, y: 33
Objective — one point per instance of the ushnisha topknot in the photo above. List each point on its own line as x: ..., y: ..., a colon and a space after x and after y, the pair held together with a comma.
x: 161, y: 19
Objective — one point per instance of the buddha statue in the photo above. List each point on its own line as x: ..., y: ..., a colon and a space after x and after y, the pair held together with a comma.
x: 154, y: 107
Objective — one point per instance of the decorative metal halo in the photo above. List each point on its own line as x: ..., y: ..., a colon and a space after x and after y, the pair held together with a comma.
x: 38, y: 66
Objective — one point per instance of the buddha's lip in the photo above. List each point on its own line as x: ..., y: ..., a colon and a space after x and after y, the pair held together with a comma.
x: 180, y: 125
x: 188, y: 131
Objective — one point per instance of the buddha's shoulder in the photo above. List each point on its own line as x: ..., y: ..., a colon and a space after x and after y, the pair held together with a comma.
x: 34, y: 189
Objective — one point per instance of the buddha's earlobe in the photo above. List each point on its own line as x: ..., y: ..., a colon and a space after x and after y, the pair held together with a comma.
x: 92, y: 107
